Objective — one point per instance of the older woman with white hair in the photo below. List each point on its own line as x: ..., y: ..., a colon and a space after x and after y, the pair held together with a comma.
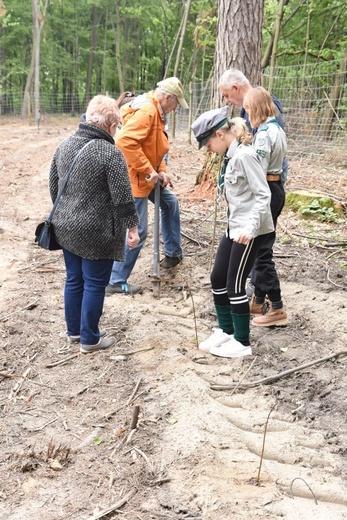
x: 95, y: 216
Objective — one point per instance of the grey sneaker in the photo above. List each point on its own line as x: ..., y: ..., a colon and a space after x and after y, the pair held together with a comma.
x: 103, y: 344
x: 76, y: 339
x: 250, y: 289
x: 123, y: 288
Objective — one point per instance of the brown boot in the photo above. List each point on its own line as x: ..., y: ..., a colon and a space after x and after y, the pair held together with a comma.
x: 257, y: 309
x: 275, y: 317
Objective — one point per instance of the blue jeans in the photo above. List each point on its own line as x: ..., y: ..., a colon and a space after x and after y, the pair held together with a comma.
x: 170, y: 229
x: 84, y: 295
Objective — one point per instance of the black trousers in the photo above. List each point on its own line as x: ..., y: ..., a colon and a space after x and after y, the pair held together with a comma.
x: 232, y: 264
x: 264, y: 276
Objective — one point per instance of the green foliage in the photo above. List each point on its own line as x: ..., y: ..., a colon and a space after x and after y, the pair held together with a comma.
x: 147, y: 34
x: 319, y: 208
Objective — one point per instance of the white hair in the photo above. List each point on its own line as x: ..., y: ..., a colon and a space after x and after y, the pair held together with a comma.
x: 233, y: 77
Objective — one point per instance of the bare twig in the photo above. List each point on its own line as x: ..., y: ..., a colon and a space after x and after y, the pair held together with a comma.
x: 136, y: 351
x: 28, y: 307
x: 6, y: 374
x: 135, y: 417
x: 244, y: 375
x: 115, y: 506
x: 14, y: 391
x: 63, y: 361
x: 263, y: 447
x: 330, y: 280
x: 285, y: 373
x: 135, y: 390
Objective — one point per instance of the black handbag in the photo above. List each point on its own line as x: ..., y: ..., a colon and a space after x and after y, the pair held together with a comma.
x: 45, y: 236
x: 44, y: 233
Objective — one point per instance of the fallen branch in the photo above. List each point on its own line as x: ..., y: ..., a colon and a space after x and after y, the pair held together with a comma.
x: 28, y: 307
x: 130, y: 353
x: 63, y: 361
x: 14, y: 391
x: 117, y: 505
x: 135, y: 390
x: 6, y: 374
x: 330, y: 280
x: 275, y: 377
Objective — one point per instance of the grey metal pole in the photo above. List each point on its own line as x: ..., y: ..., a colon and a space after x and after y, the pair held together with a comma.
x: 156, y: 263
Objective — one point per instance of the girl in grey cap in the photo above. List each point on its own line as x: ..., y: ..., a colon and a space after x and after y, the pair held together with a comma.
x: 249, y: 219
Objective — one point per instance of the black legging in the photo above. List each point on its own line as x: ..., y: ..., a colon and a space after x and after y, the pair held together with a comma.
x: 232, y: 265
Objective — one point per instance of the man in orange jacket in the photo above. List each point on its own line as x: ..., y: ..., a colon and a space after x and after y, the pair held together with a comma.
x: 144, y: 143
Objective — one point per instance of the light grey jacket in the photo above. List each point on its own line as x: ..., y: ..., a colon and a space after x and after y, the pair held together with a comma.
x: 247, y: 193
x: 270, y: 143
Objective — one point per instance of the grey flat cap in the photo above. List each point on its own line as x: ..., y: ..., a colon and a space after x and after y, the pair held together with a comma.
x: 208, y: 123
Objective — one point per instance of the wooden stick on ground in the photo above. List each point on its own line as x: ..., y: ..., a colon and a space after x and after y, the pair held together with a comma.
x: 63, y: 361
x: 14, y: 391
x: 117, y: 505
x: 285, y: 373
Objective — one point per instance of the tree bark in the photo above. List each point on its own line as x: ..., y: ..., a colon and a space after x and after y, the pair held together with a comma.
x: 239, y: 29
x: 269, y: 48
x: 34, y: 72
x: 91, y: 55
x: 118, y: 58
x: 277, y: 28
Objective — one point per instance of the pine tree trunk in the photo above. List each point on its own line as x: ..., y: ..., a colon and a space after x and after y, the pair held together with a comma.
x: 239, y: 39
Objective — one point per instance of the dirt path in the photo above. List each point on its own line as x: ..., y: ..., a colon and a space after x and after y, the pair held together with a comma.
x: 67, y: 450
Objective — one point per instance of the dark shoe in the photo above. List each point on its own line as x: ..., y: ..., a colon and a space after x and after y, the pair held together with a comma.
x: 76, y: 339
x: 123, y: 288
x: 168, y: 262
x: 102, y: 344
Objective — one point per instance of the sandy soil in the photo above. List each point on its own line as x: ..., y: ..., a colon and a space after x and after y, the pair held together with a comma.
x: 198, y: 450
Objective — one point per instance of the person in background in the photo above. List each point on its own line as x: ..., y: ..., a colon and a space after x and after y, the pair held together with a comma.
x: 124, y: 98
x: 93, y: 218
x: 270, y: 144
x: 249, y: 220
x: 144, y: 143
x: 233, y: 86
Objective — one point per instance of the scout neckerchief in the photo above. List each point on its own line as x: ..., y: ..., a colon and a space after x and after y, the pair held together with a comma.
x: 221, y: 176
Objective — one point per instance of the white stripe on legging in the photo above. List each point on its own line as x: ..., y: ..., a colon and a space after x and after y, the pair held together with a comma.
x: 242, y: 265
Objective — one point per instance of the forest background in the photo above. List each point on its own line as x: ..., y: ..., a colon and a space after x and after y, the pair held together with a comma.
x: 56, y: 54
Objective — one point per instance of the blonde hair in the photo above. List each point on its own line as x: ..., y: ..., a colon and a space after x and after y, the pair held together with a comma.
x: 103, y: 111
x: 238, y: 128
x: 259, y: 105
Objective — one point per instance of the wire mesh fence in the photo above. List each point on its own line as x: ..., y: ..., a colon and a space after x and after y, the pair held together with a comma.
x: 314, y: 101
x: 314, y: 98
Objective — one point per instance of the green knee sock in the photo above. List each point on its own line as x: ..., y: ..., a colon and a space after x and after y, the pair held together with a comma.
x: 241, y: 327
x: 225, y: 321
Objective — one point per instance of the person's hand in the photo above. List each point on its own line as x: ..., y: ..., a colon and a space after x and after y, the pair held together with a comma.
x: 152, y: 178
x: 133, y: 237
x: 165, y: 179
x: 242, y: 238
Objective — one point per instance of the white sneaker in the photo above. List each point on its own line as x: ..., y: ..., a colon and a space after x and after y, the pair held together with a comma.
x: 215, y: 340
x: 231, y: 349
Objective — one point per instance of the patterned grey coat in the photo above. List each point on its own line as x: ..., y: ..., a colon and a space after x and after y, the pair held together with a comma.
x: 97, y: 206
